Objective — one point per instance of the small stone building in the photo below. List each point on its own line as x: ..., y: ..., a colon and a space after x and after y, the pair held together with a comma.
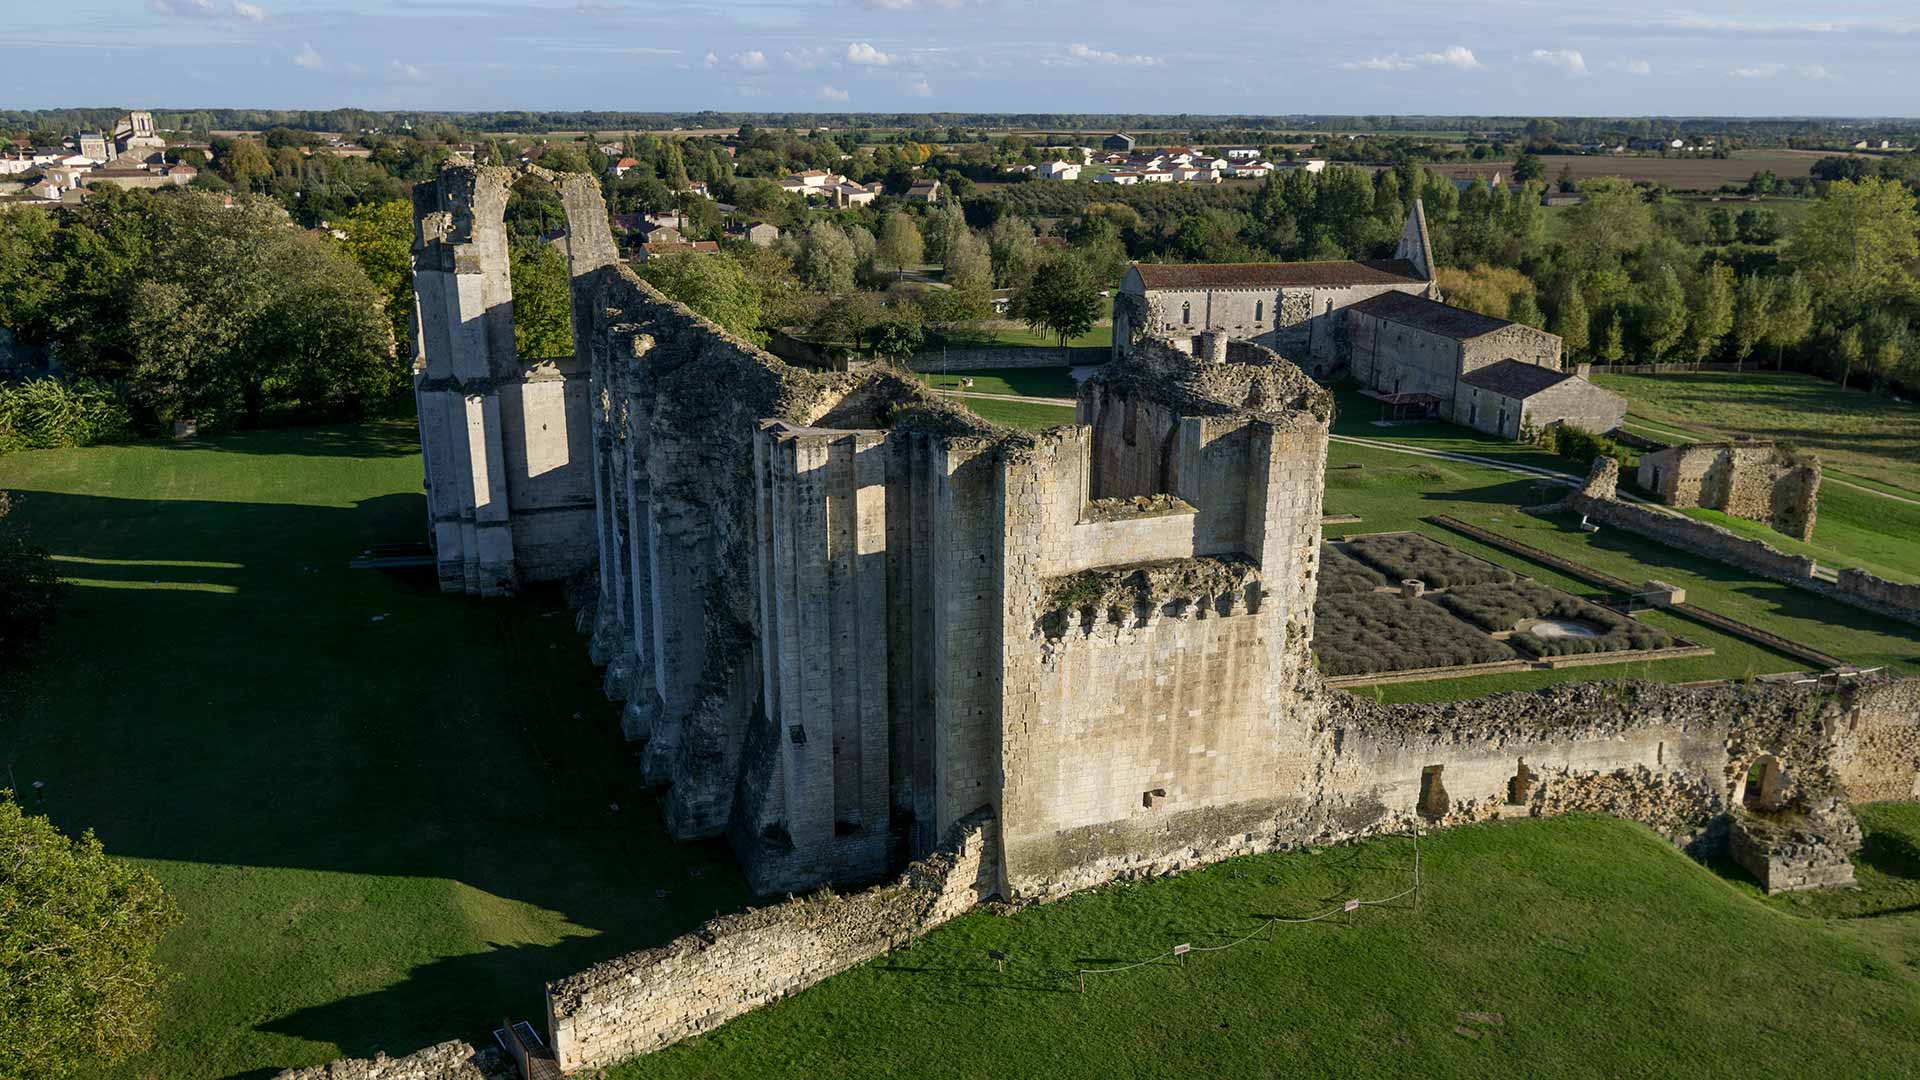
x: 1748, y: 478
x: 1292, y: 308
x: 1493, y: 375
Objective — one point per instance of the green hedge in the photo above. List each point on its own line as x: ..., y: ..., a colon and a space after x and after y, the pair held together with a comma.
x: 46, y: 413
x: 1411, y: 555
x: 1362, y: 633
x: 1340, y: 573
x: 1501, y: 607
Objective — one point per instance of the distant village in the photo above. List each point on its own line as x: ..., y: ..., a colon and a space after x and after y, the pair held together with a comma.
x: 132, y: 155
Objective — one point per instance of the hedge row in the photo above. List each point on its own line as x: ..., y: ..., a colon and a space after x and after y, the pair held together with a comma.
x: 1501, y: 607
x: 1363, y: 633
x: 42, y: 414
x: 1340, y: 573
x: 1411, y: 555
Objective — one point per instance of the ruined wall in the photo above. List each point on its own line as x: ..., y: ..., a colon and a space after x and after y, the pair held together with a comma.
x: 1855, y: 587
x: 1754, y: 480
x: 646, y: 1000
x: 454, y: 1060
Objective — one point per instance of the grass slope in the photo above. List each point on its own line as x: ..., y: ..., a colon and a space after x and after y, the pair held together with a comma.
x: 1603, y: 951
x: 385, y: 812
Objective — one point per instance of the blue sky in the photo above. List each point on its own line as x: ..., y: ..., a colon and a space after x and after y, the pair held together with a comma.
x: 1210, y: 56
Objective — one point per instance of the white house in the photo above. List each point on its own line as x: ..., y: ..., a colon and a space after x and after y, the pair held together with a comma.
x: 1118, y: 176
x: 1060, y: 170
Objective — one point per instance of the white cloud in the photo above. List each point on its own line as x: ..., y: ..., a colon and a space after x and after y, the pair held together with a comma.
x: 828, y: 93
x: 249, y: 12
x: 712, y: 60
x: 408, y: 72
x: 921, y: 89
x: 1088, y: 55
x: 912, y: 5
x: 309, y: 59
x: 209, y: 9
x: 750, y: 60
x: 1567, y: 60
x: 1638, y: 67
x: 861, y: 52
x: 803, y: 59
x: 1757, y: 71
x: 1815, y: 71
x: 1458, y: 56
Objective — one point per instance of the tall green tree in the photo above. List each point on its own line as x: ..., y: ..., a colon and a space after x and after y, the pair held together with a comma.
x: 1010, y: 243
x: 825, y: 258
x: 1848, y: 349
x: 380, y: 239
x: 542, y: 302
x: 1752, y: 315
x: 1572, y: 322
x: 1709, y: 310
x: 79, y: 987
x: 1792, y: 318
x: 969, y: 274
x: 900, y: 245
x: 1062, y: 297
x: 1856, y: 244
x: 1663, y: 313
x: 945, y: 220
x: 716, y: 286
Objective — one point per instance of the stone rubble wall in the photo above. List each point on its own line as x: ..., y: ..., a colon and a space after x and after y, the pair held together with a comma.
x: 1755, y: 480
x: 454, y: 1060
x: 1805, y: 848
x: 647, y: 1000
x: 1597, y: 500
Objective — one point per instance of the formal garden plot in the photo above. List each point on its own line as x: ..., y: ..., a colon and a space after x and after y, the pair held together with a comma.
x: 1548, y: 622
x: 1368, y: 633
x: 1403, y: 556
x: 1341, y: 573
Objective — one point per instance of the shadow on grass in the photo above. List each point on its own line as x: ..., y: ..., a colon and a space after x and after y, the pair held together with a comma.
x: 385, y: 438
x: 223, y: 692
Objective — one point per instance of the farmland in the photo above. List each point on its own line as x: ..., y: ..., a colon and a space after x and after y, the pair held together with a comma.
x: 1685, y: 174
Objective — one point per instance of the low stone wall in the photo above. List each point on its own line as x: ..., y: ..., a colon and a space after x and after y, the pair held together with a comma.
x: 646, y: 1000
x: 1861, y: 589
x: 939, y: 361
x: 454, y: 1060
x: 1798, y: 850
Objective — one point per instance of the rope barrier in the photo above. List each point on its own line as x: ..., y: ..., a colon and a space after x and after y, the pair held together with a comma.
x: 1267, y: 926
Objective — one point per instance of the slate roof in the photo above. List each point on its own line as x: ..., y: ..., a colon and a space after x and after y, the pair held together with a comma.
x: 1431, y: 316
x: 1513, y: 379
x: 1333, y: 273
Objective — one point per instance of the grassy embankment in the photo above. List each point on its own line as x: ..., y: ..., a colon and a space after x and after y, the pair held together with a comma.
x: 387, y: 813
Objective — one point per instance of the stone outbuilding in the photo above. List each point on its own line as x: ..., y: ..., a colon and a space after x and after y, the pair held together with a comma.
x: 1292, y: 308
x: 1748, y: 478
x: 1493, y: 375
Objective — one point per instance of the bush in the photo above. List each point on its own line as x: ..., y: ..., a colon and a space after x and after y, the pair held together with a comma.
x: 1362, y: 633
x: 1502, y: 607
x: 46, y: 413
x: 78, y: 983
x: 1579, y: 445
x: 1411, y: 555
x: 1340, y: 573
x: 29, y: 588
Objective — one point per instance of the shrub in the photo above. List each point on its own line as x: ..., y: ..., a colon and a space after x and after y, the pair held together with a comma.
x: 1362, y: 633
x: 29, y: 588
x: 1502, y: 607
x: 1411, y: 555
x: 78, y: 983
x: 1577, y: 444
x: 45, y: 413
x: 1340, y: 573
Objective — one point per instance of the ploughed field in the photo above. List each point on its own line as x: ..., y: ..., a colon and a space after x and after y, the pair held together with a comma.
x: 1573, y: 946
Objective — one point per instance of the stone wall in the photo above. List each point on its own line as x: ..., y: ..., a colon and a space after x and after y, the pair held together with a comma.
x: 1750, y: 479
x: 1578, y: 403
x: 646, y: 1000
x: 1006, y: 356
x: 1855, y: 587
x: 447, y: 1061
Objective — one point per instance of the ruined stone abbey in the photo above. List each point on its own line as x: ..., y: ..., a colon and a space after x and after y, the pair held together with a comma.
x: 858, y: 626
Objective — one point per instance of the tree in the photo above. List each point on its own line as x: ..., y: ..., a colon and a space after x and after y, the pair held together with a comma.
x: 825, y: 259
x: 848, y: 318
x: 1793, y: 316
x: 1757, y: 225
x: 713, y: 285
x: 900, y: 245
x: 78, y: 984
x: 1853, y: 245
x: 1848, y: 349
x: 1752, y: 315
x: 1886, y: 345
x: 1524, y: 309
x: 1710, y: 310
x: 897, y: 338
x: 26, y: 285
x: 1614, y: 220
x: 29, y: 593
x: 542, y: 301
x: 1062, y: 297
x: 380, y: 239
x: 1010, y: 244
x: 1613, y: 348
x: 1571, y: 321
x: 1663, y: 313
x: 1527, y: 167
x: 1720, y: 226
x: 969, y: 274
x: 245, y: 165
x: 945, y: 220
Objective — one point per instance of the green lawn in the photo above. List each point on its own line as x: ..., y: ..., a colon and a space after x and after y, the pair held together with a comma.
x: 1851, y: 430
x: 1588, y: 947
x: 1055, y: 382
x: 387, y: 813
x: 1021, y: 414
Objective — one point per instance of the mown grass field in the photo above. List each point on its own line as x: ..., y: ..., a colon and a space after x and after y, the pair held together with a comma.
x: 1027, y: 382
x: 387, y: 813
x: 1856, y: 434
x: 1585, y: 947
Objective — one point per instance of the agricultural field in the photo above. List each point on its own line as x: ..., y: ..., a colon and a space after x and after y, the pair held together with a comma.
x: 1681, y: 174
x: 1537, y: 949
x: 388, y: 814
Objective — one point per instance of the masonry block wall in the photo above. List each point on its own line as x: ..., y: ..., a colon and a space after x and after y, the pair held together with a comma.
x: 1754, y: 479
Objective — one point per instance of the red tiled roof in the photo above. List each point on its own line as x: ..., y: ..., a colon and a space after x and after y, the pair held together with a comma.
x: 1334, y: 273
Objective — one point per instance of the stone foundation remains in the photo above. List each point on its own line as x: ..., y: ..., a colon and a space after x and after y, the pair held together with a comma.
x: 447, y: 1061
x: 1748, y: 478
